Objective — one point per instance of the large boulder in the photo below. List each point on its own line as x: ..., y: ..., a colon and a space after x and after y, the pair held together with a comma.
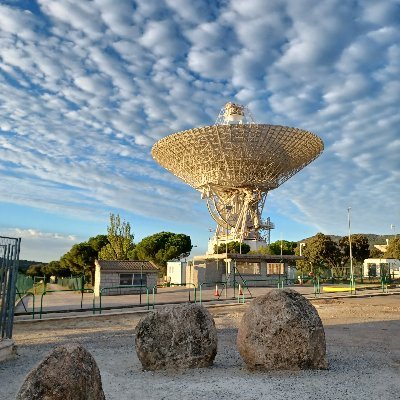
x: 69, y: 372
x: 282, y: 330
x: 179, y: 336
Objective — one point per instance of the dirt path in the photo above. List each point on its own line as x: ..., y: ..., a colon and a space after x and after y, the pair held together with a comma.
x: 362, y: 341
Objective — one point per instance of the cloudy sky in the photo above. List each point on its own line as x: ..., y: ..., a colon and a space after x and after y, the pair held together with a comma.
x: 87, y: 87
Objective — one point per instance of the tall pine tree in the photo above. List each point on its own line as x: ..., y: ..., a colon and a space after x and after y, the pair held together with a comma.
x: 120, y: 240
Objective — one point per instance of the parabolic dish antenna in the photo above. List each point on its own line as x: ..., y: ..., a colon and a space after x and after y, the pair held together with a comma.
x: 234, y: 164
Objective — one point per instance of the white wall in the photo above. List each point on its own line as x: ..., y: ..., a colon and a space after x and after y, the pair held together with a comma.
x: 97, y: 279
x: 393, y: 264
x: 176, y: 271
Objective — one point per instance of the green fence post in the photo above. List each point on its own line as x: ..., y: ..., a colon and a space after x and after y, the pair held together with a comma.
x: 201, y: 289
x: 33, y: 305
x: 41, y: 304
x: 82, y: 289
x: 94, y: 303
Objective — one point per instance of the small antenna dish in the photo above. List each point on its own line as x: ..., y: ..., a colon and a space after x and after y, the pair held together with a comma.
x: 233, y: 113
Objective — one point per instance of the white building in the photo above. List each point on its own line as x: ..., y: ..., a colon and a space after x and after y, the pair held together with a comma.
x: 176, y: 272
x: 255, y: 269
x: 381, y: 266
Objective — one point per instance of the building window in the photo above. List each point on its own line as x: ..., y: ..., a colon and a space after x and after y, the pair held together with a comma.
x: 132, y: 279
x: 371, y: 270
x: 275, y: 268
x: 125, y: 279
x: 137, y: 280
x: 248, y: 268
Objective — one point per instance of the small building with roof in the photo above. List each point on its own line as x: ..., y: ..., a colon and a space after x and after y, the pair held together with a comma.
x: 110, y: 274
x: 251, y: 269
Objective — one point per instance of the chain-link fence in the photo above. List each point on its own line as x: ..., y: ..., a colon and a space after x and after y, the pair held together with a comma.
x: 9, y: 257
x: 75, y: 283
x: 24, y: 283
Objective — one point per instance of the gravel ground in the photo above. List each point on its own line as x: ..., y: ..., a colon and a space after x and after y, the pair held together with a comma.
x: 363, y: 347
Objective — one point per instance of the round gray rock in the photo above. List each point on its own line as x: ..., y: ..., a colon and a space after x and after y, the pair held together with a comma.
x: 179, y: 336
x: 69, y: 372
x: 282, y: 331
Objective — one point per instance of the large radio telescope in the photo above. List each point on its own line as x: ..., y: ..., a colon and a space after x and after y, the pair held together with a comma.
x: 234, y: 164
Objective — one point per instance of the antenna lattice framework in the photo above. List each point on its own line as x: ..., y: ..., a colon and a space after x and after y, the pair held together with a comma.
x: 234, y: 164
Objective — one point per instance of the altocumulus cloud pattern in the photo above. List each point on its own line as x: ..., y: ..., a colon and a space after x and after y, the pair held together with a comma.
x: 86, y: 88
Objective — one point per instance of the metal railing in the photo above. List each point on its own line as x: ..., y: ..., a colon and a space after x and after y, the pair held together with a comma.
x: 198, y: 293
x: 224, y: 288
x: 63, y: 290
x: 212, y: 284
x: 170, y: 284
x: 269, y: 281
x: 140, y: 287
x: 384, y: 284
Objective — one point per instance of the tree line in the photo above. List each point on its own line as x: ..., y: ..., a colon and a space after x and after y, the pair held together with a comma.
x: 322, y: 254
x: 118, y: 244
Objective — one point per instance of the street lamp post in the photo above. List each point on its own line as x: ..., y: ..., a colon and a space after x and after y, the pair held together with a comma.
x: 301, y: 246
x: 351, y: 253
x: 393, y: 228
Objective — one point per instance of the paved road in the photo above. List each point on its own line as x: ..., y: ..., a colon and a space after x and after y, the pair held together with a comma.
x: 56, y: 302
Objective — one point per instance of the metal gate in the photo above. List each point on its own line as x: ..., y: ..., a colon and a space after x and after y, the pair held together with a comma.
x: 9, y: 257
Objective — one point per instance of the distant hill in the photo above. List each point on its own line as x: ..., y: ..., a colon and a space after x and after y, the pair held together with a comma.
x: 25, y: 264
x: 373, y: 239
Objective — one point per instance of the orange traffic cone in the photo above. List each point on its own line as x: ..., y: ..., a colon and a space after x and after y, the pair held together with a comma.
x: 216, y: 291
x: 240, y: 290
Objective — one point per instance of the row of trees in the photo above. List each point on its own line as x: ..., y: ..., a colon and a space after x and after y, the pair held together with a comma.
x: 322, y: 254
x: 244, y: 248
x: 393, y: 250
x: 118, y: 244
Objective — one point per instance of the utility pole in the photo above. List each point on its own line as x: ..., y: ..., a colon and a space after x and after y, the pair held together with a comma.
x: 351, y: 253
x: 302, y: 269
